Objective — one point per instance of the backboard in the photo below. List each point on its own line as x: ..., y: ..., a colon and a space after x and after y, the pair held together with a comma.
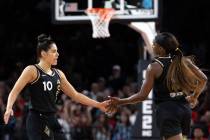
x: 71, y: 11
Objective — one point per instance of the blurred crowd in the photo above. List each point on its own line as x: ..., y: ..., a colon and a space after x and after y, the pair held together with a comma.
x: 86, y: 123
x: 90, y: 66
x: 97, y: 71
x: 79, y: 122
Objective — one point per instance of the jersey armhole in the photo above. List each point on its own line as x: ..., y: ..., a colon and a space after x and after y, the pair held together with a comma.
x: 37, y: 77
x: 160, y: 77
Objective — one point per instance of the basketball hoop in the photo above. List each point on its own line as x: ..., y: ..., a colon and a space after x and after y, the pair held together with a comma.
x: 100, y: 18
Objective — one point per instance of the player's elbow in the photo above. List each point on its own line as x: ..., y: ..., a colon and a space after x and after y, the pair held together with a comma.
x: 72, y: 95
x: 202, y: 84
x: 204, y: 81
x: 203, y: 78
x: 141, y: 98
x: 144, y: 98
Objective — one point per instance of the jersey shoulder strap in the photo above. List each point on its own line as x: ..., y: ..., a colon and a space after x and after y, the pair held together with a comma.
x: 37, y: 75
x: 159, y: 62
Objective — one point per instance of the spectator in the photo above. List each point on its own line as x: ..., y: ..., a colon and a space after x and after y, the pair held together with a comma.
x: 198, y: 133
x: 101, y: 129
x: 116, y: 80
x: 123, y: 128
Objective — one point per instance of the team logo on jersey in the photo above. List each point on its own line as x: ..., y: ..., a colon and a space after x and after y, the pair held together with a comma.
x: 47, y: 131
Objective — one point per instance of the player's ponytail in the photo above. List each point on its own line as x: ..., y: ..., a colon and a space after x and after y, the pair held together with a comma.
x: 179, y: 76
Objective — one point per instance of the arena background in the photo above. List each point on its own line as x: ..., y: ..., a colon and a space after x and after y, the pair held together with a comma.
x: 91, y: 63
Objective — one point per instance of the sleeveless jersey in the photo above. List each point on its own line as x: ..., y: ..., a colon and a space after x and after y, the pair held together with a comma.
x: 44, y: 91
x: 160, y: 90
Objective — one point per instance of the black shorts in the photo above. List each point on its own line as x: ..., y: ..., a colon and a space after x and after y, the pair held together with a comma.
x: 43, y: 127
x: 173, y: 118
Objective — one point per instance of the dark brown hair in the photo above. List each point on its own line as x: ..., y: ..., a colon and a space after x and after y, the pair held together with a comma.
x: 43, y: 44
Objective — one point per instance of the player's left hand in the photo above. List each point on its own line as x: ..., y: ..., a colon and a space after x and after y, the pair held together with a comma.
x: 192, y: 101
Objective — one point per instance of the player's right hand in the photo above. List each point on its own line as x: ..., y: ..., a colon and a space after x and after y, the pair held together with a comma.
x: 113, y: 105
x: 7, y: 114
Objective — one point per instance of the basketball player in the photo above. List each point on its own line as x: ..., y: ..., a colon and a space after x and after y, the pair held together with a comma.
x: 176, y: 83
x: 45, y: 83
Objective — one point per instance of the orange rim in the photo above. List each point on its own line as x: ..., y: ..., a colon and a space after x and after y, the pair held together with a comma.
x: 96, y: 10
x: 102, y: 12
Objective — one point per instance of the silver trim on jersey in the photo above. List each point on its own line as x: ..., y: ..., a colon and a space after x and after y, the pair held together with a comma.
x: 37, y: 78
x: 158, y: 61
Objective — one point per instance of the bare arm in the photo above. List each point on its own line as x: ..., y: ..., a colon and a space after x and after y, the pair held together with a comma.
x: 28, y: 75
x: 200, y: 76
x: 69, y: 90
x: 145, y: 89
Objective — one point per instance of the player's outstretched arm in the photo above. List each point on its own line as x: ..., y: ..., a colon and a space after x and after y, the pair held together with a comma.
x: 27, y: 76
x: 69, y: 90
x: 137, y: 97
x: 200, y: 77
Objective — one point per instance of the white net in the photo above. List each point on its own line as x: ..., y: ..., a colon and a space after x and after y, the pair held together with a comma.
x: 100, y: 18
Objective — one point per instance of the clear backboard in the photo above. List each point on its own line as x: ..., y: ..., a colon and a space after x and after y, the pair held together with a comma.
x: 71, y: 11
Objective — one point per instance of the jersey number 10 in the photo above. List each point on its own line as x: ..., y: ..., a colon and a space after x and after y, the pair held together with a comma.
x: 47, y: 85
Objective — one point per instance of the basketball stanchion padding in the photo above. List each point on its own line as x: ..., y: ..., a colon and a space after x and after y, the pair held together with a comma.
x: 100, y: 18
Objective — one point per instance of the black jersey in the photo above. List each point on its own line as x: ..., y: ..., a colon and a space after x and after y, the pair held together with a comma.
x: 160, y: 90
x: 44, y: 91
